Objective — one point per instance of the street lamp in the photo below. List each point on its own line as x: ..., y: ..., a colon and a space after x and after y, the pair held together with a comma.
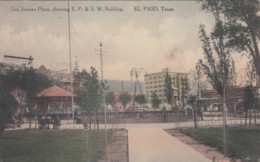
x: 102, y: 92
x: 137, y: 72
x: 70, y: 59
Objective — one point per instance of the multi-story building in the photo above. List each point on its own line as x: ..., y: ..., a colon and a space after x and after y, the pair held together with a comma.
x: 61, y: 78
x: 155, y: 83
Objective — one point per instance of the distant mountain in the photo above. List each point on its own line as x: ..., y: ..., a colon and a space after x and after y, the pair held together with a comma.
x: 125, y: 85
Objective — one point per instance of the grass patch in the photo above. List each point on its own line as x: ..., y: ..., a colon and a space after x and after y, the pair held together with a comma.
x: 51, y: 145
x: 242, y: 142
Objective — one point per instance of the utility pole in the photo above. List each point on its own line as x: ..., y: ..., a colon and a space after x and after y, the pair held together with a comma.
x: 71, y: 76
x: 102, y: 92
x: 101, y: 60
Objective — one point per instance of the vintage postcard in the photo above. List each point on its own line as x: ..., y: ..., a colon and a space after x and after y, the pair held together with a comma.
x: 150, y: 75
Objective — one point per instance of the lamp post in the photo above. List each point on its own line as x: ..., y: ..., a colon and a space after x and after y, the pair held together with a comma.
x: 137, y: 72
x: 71, y: 76
x: 102, y: 92
x: 134, y: 72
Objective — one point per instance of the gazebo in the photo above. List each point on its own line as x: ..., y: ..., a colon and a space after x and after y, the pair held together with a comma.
x: 55, y: 100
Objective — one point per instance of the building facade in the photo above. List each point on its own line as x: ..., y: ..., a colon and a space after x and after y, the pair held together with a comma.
x: 155, y: 83
x: 210, y: 100
x: 61, y: 78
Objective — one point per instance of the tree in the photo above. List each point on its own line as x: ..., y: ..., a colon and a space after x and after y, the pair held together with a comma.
x: 249, y: 101
x: 125, y: 98
x: 168, y: 88
x: 22, y: 86
x: 140, y: 99
x: 218, y: 63
x: 241, y: 25
x: 8, y: 107
x: 218, y: 60
x: 197, y: 80
x: 155, y: 100
x: 232, y: 95
x: 251, y: 76
x: 192, y: 100
x: 252, y: 80
x: 75, y: 69
x: 110, y: 98
x: 79, y: 78
x: 90, y: 97
x: 32, y: 84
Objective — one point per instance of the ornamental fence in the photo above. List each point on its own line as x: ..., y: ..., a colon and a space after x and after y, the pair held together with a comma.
x: 179, y: 119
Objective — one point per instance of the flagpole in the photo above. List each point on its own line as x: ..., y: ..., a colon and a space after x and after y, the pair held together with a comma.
x: 71, y: 76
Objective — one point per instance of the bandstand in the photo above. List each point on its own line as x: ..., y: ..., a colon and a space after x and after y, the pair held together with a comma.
x: 55, y: 101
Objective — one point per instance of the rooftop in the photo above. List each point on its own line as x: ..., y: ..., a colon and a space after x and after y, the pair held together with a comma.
x: 54, y: 91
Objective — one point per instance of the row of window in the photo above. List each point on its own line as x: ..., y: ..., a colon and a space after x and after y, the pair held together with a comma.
x: 160, y: 86
x: 183, y: 82
x: 163, y: 77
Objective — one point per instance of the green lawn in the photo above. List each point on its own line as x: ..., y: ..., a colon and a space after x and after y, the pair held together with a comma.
x: 242, y: 142
x: 51, y: 146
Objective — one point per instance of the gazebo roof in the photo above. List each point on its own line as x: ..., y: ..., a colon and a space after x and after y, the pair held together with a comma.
x: 54, y: 91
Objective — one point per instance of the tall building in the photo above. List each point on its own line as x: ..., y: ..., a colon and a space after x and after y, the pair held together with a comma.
x: 155, y: 82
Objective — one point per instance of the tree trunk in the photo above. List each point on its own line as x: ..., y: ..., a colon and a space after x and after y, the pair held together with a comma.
x: 250, y: 116
x: 235, y: 109
x: 224, y: 128
x: 30, y: 121
x: 97, y: 120
x: 246, y: 117
x: 90, y: 121
x: 224, y: 121
x: 195, y: 117
x: 257, y: 64
x: 2, y: 128
x: 257, y: 54
x: 256, y: 115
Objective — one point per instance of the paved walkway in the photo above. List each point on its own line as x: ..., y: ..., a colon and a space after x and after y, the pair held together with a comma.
x: 149, y: 143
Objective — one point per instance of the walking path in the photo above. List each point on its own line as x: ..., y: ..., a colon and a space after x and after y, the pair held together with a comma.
x: 149, y: 143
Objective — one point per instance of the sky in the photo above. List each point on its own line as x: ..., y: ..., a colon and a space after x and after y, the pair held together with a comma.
x: 153, y: 40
